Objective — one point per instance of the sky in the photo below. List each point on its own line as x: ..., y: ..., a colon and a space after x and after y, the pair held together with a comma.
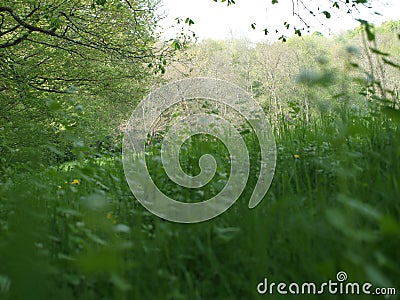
x: 219, y: 21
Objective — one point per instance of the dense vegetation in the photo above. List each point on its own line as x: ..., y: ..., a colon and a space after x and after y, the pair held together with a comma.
x: 71, y: 73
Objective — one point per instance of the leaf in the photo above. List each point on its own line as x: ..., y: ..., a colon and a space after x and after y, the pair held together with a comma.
x: 189, y: 21
x: 253, y: 25
x: 327, y: 14
x: 274, y: 1
x: 230, y: 2
x: 176, y: 45
x: 245, y: 131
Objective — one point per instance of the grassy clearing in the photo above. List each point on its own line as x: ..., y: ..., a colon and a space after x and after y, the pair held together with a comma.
x: 333, y: 206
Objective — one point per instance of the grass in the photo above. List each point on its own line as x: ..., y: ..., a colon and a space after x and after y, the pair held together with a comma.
x: 333, y: 206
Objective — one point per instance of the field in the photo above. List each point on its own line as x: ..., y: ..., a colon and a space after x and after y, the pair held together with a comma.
x: 75, y: 230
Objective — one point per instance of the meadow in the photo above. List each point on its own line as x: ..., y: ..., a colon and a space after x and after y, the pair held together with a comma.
x: 75, y: 230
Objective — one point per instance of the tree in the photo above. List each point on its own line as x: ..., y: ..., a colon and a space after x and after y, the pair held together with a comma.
x: 57, y: 55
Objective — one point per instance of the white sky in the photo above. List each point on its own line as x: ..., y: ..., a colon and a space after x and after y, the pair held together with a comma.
x: 217, y: 21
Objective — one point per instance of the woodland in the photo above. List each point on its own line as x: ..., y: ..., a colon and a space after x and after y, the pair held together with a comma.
x: 72, y: 72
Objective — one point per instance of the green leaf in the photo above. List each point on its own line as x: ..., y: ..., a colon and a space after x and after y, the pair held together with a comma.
x: 189, y: 21
x: 274, y: 1
x: 230, y: 2
x: 327, y: 14
x: 283, y: 38
x: 253, y: 25
x: 176, y: 45
x: 245, y: 131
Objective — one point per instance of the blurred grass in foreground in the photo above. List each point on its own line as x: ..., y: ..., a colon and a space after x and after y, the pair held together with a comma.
x: 75, y: 231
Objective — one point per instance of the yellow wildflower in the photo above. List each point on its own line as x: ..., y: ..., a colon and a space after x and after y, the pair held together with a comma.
x: 75, y: 181
x: 296, y: 156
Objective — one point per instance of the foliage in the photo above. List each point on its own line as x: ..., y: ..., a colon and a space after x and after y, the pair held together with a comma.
x: 70, y: 228
x: 332, y: 206
x: 62, y: 59
x: 348, y: 69
x: 308, y: 12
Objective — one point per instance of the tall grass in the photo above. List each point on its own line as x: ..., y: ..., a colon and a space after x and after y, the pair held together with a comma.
x: 76, y: 232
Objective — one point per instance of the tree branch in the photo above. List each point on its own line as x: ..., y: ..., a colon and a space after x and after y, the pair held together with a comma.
x: 15, y: 42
